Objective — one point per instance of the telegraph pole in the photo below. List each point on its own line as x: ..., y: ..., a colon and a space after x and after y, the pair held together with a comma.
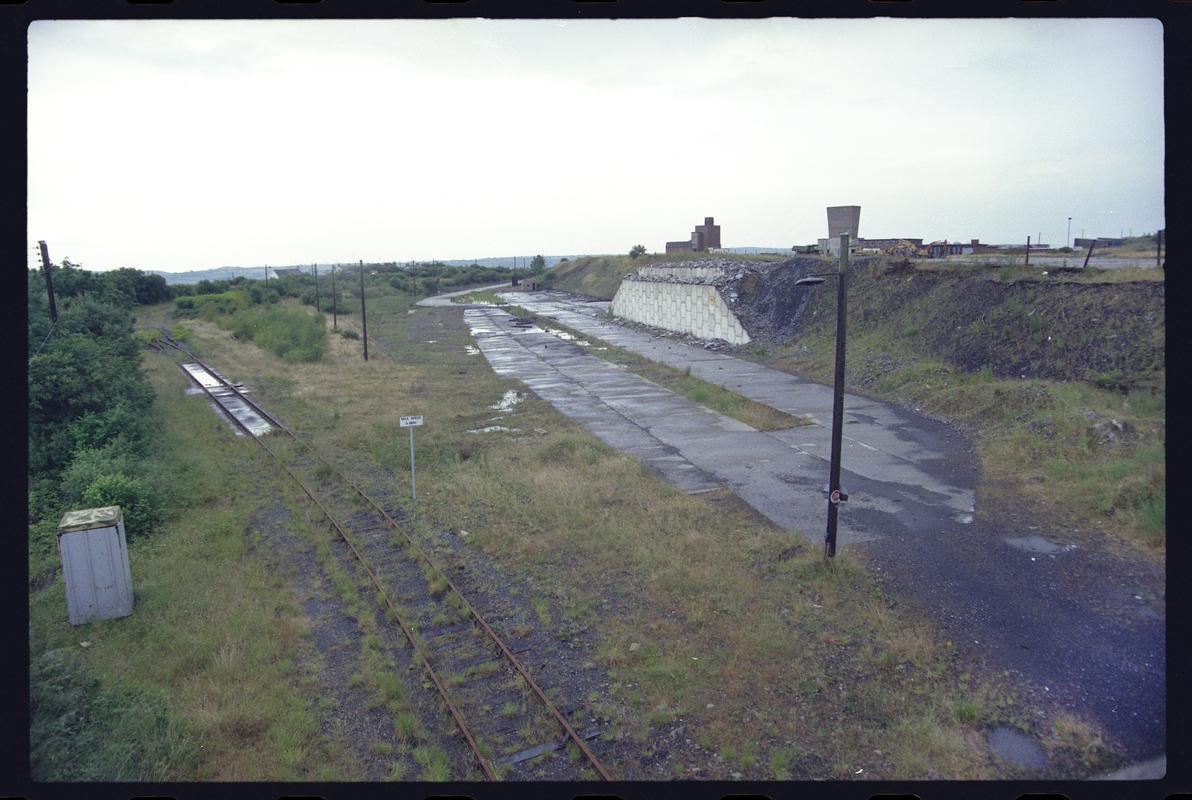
x: 45, y: 265
x: 266, y: 274
x: 334, y: 318
x: 363, y: 317
x: 318, y: 306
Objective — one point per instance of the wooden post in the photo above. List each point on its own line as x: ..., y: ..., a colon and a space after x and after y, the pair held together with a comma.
x: 45, y: 265
x: 363, y: 316
x: 1092, y: 244
x: 1028, y: 251
x: 318, y: 308
x: 334, y: 318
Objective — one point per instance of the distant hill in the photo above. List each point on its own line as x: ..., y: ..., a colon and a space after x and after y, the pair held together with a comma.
x: 258, y: 273
x: 217, y: 274
x: 521, y: 262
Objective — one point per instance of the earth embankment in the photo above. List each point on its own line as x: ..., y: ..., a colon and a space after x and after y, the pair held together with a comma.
x: 1108, y: 333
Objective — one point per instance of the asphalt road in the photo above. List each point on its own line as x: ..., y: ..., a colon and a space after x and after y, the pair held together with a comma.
x: 1082, y: 627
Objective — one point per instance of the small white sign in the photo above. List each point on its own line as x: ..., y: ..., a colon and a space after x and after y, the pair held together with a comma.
x: 411, y: 422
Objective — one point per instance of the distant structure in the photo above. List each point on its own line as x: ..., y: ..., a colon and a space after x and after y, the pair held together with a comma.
x: 847, y: 219
x: 1100, y: 241
x: 704, y: 237
x: 281, y: 272
x: 841, y: 219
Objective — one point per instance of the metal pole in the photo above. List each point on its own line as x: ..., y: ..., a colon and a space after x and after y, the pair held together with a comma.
x: 45, y: 265
x: 1028, y: 251
x: 837, y: 405
x: 363, y: 316
x: 413, y: 474
x: 334, y: 316
x: 1068, y: 241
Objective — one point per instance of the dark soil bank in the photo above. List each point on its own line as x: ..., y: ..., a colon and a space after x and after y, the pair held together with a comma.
x: 1110, y: 333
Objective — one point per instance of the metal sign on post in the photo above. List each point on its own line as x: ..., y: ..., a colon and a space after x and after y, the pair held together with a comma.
x: 412, y: 422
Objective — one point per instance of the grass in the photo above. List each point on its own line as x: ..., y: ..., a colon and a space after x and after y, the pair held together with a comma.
x: 199, y: 682
x: 638, y: 562
x: 682, y: 382
x: 1053, y: 442
x: 489, y: 298
x: 1045, y: 272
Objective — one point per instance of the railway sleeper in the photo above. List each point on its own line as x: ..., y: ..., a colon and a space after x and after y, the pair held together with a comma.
x: 542, y: 749
x: 446, y: 630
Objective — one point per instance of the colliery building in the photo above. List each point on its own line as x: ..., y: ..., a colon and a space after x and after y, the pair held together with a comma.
x: 704, y: 237
x: 1100, y: 241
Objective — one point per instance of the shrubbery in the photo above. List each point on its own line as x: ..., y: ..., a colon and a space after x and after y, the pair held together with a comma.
x: 287, y: 332
x: 88, y: 403
x: 137, y: 500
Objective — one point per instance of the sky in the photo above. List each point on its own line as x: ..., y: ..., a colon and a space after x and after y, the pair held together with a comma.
x: 179, y: 145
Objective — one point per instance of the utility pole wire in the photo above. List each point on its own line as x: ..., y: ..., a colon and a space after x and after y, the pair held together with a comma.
x: 43, y: 341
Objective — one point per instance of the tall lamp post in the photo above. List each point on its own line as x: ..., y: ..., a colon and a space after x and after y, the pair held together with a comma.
x: 836, y: 495
x: 1068, y: 243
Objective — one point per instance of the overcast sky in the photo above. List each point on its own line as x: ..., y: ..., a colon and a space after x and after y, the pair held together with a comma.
x: 181, y: 145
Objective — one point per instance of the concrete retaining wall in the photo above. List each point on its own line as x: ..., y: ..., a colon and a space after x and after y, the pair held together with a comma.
x: 694, y: 308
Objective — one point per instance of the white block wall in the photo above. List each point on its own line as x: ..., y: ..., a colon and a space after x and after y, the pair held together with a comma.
x: 697, y: 309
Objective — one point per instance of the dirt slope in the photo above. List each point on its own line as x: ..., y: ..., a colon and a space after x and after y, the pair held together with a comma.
x: 1110, y: 333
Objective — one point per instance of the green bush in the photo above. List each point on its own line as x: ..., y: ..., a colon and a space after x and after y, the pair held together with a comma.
x: 136, y: 499
x: 292, y: 334
x: 347, y: 334
x: 89, y: 464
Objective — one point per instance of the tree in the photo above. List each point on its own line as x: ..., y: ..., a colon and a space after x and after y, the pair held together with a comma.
x: 637, y: 250
x: 537, y: 265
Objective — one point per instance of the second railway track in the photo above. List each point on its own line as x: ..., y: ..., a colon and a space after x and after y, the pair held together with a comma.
x: 504, y: 715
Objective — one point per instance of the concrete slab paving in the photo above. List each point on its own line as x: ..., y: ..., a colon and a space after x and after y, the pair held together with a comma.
x: 689, y: 445
x: 882, y: 442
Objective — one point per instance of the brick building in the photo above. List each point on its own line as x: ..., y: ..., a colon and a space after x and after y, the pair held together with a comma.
x: 704, y: 237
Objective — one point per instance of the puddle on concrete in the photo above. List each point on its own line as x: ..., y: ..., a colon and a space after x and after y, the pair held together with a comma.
x: 494, y: 429
x: 470, y: 350
x: 1017, y: 748
x: 567, y: 337
x: 1037, y: 544
x: 507, y: 401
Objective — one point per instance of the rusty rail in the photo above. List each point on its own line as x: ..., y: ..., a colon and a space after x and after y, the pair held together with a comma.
x: 423, y: 656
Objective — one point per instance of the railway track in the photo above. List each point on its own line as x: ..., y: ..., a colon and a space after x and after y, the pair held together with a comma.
x: 502, y: 713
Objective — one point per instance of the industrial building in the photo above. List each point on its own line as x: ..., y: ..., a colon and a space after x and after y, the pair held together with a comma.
x: 704, y: 237
x: 1100, y: 241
